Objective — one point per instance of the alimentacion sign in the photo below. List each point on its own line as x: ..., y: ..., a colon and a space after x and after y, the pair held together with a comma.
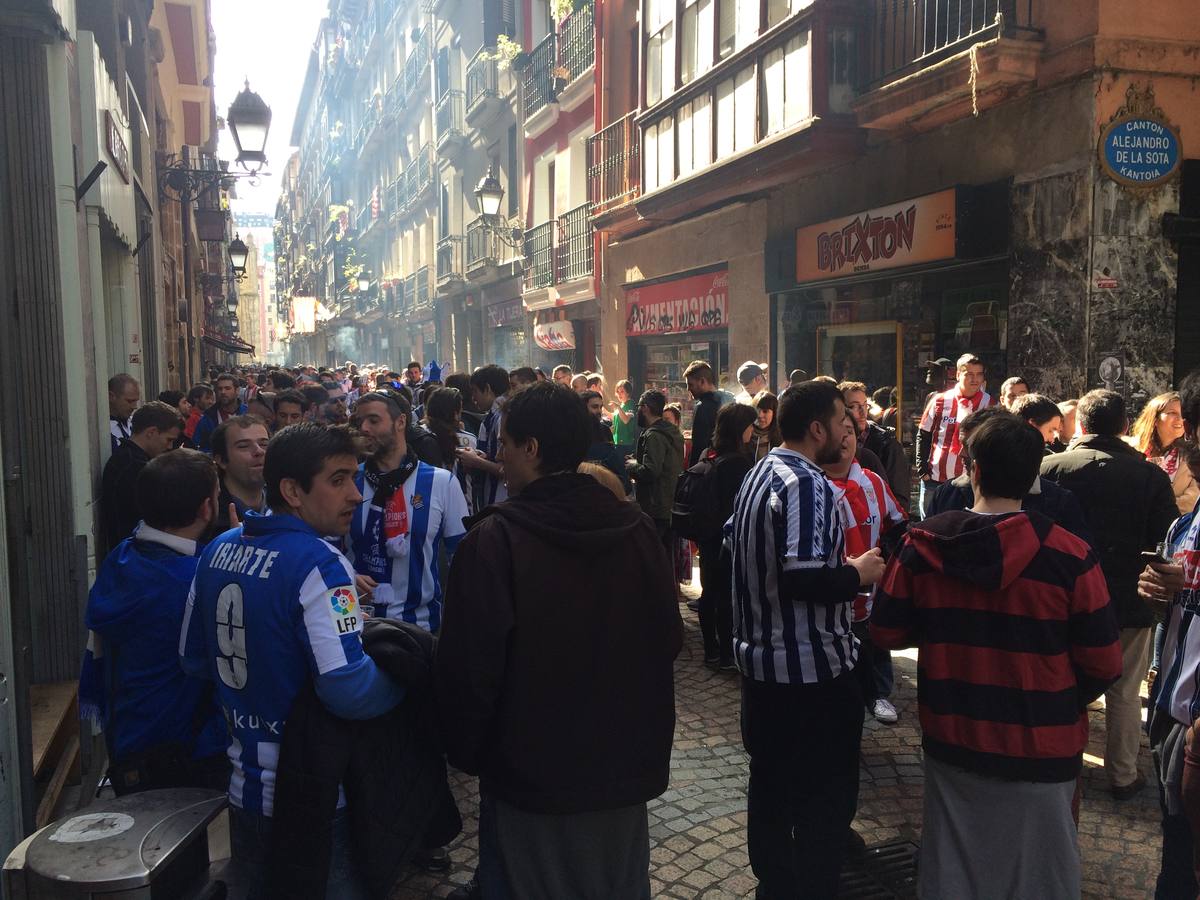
x: 1139, y: 147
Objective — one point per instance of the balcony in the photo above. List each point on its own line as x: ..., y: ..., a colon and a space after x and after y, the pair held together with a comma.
x: 421, y: 290
x: 576, y: 55
x: 426, y: 168
x: 928, y: 62
x: 450, y: 271
x: 560, y: 251
x: 539, y: 90
x: 484, y: 249
x: 575, y: 250
x: 539, y: 256
x: 483, y: 85
x: 369, y: 126
x: 614, y: 165
x: 448, y: 117
x: 408, y: 294
x: 416, y: 70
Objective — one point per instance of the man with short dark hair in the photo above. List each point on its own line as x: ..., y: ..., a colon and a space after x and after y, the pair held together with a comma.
x: 519, y: 377
x: 489, y: 390
x: 162, y: 728
x: 290, y: 407
x: 228, y: 404
x: 156, y: 428
x: 1042, y: 413
x: 657, y: 464
x: 409, y: 510
x: 1129, y: 506
x: 702, y: 386
x: 1011, y: 390
x: 239, y: 448
x: 793, y: 594
x: 879, y: 440
x: 201, y: 397
x: 939, y: 446
x: 413, y: 375
x: 124, y: 394
x: 562, y: 803
x: 273, y: 609
x: 1016, y: 635
x: 562, y: 375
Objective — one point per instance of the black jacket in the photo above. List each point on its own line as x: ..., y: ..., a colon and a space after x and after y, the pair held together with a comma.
x: 1051, y: 500
x: 554, y: 670
x: 704, y: 422
x: 391, y: 768
x: 1129, y: 506
x: 882, y: 442
x: 425, y: 444
x: 118, y: 501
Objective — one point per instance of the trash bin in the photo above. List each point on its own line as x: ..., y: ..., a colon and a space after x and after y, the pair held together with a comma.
x: 148, y: 845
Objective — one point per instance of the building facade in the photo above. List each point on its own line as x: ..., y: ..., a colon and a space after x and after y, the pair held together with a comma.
x: 853, y: 189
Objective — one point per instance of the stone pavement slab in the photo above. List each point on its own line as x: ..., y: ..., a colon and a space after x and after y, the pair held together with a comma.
x: 698, y: 826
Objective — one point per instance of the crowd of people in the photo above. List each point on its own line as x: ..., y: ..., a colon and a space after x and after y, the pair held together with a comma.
x: 412, y: 568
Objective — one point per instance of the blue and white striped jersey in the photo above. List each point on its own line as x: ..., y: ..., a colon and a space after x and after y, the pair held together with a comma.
x: 1178, y: 684
x: 785, y: 517
x: 406, y: 566
x: 271, y: 606
x: 494, y: 488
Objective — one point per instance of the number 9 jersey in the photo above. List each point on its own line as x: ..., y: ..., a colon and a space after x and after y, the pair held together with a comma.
x: 271, y: 606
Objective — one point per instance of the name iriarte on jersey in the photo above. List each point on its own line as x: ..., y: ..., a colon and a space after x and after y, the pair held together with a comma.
x: 273, y: 605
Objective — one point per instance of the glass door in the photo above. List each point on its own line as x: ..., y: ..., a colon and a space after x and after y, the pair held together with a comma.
x: 870, y: 352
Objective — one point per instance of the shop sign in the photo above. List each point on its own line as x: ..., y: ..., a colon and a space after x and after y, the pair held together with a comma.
x: 555, y: 336
x: 115, y: 145
x: 511, y: 312
x: 694, y: 303
x: 905, y: 234
x: 1139, y: 148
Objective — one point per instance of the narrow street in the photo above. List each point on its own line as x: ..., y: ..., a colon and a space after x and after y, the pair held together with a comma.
x: 698, y: 827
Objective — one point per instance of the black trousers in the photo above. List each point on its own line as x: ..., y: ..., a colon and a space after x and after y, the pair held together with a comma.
x: 716, y: 601
x: 803, y: 742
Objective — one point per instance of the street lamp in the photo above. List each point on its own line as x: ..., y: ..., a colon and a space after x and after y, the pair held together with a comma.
x: 238, y: 254
x: 231, y: 304
x: 364, y: 282
x: 489, y: 192
x: 249, y: 120
x: 233, y: 323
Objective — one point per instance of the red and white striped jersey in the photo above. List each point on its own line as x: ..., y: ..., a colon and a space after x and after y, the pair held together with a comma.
x: 868, y: 509
x: 943, y: 413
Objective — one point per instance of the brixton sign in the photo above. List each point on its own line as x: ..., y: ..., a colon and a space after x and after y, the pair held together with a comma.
x: 915, y: 231
x: 692, y: 303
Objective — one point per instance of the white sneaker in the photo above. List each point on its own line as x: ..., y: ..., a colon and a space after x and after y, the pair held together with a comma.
x: 885, y: 712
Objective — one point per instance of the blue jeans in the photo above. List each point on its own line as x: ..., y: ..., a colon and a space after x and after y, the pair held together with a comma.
x: 884, y: 674
x: 250, y: 843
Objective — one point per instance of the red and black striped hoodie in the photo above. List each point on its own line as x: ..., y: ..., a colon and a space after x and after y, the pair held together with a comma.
x: 1016, y: 636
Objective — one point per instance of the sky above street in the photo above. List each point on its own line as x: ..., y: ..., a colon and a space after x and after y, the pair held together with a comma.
x: 268, y: 42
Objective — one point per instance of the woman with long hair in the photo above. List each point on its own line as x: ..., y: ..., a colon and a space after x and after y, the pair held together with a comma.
x: 730, y: 454
x: 443, y: 417
x: 766, y: 430
x: 1158, y: 434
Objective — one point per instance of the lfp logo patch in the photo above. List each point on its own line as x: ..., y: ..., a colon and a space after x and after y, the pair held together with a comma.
x: 343, y: 607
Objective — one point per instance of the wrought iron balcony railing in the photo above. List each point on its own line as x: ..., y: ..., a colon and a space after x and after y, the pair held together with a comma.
x: 539, y: 256
x: 416, y: 67
x: 421, y: 299
x: 482, y: 78
x: 450, y: 269
x: 575, y: 246
x: 912, y: 34
x: 614, y: 164
x: 483, y: 246
x: 577, y: 42
x: 448, y: 116
x: 539, y: 76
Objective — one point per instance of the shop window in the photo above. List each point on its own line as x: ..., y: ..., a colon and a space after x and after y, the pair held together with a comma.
x: 787, y: 85
x: 696, y: 37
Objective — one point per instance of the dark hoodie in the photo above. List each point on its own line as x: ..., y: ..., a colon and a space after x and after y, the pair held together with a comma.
x: 555, y: 687
x: 1016, y: 636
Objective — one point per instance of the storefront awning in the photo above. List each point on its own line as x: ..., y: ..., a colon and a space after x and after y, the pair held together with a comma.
x: 228, y: 343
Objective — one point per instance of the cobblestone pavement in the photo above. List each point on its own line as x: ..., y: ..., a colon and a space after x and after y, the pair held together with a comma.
x: 698, y: 827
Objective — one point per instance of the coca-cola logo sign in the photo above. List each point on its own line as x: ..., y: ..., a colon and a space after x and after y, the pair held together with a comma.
x: 693, y: 303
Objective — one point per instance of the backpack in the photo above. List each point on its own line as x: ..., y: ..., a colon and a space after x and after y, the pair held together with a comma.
x: 696, y: 511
